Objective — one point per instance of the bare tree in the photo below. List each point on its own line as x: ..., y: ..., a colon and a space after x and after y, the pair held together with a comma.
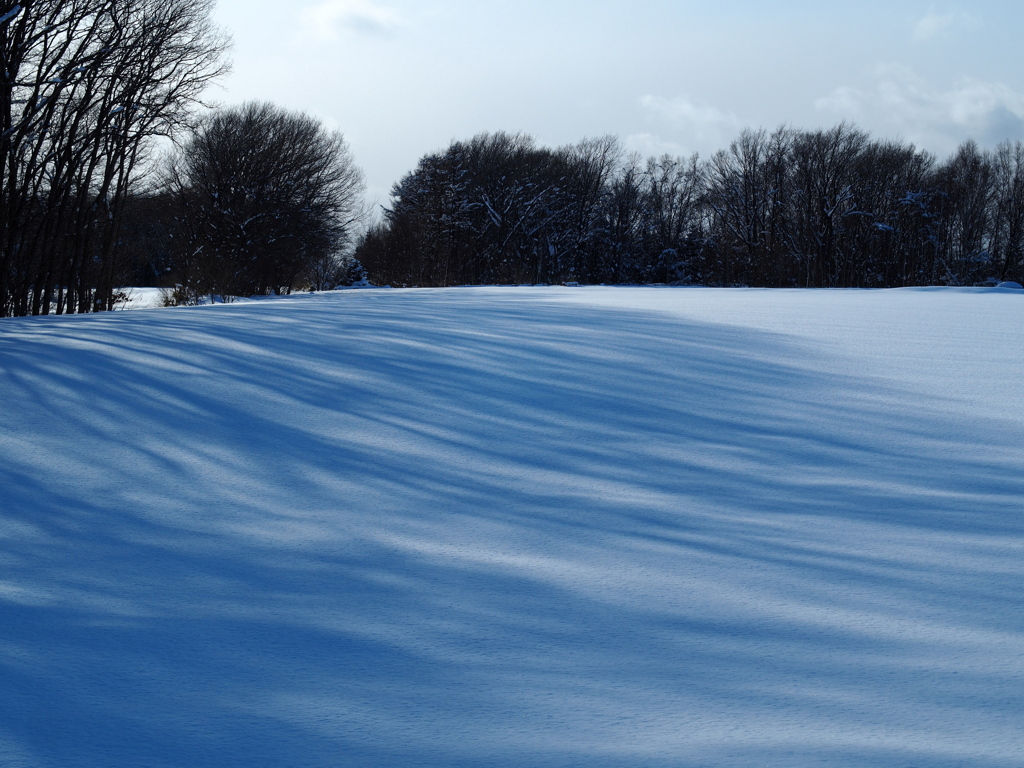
x: 748, y: 192
x: 85, y: 86
x: 1008, y: 215
x: 673, y: 188
x: 263, y: 196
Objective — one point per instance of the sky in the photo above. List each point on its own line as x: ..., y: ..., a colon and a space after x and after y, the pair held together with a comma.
x: 401, y: 78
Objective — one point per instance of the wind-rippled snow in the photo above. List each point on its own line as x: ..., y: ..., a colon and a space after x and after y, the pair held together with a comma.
x: 503, y: 527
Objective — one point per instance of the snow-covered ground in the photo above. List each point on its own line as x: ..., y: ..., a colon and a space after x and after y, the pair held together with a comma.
x: 141, y: 298
x: 516, y: 528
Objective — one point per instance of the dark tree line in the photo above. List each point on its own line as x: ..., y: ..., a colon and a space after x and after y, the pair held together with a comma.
x: 85, y: 87
x: 823, y: 208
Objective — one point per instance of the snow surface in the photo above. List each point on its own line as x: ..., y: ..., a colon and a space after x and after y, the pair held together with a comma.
x: 141, y: 298
x: 516, y: 527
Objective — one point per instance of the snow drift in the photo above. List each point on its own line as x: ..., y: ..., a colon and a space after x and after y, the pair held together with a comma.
x: 516, y: 527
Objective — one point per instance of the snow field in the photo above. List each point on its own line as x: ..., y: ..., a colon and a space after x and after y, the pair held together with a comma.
x: 516, y: 527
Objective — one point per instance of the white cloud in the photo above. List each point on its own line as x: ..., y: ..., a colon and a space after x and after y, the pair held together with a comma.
x: 932, y: 25
x: 701, y: 125
x: 935, y: 117
x: 322, y: 22
x: 649, y: 145
x: 844, y: 101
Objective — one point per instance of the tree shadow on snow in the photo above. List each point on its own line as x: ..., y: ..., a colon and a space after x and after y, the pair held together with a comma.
x: 437, y: 529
